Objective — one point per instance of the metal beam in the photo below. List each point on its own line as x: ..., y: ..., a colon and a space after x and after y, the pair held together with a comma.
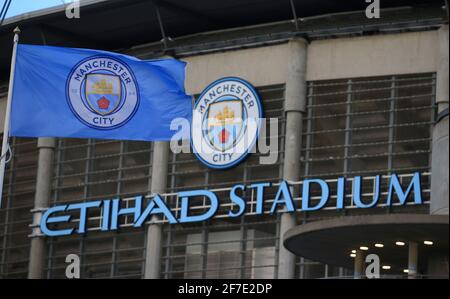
x: 161, y: 26
x: 294, y: 14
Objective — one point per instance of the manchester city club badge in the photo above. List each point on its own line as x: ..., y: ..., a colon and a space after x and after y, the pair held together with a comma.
x: 102, y: 92
x: 226, y: 122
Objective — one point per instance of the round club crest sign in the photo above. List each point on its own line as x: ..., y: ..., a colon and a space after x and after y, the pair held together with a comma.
x: 226, y: 121
x: 102, y: 92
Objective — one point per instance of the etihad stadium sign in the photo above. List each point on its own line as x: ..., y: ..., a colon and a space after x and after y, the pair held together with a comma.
x: 312, y: 194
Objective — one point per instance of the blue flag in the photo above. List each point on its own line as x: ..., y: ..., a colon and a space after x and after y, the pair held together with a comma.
x: 81, y: 93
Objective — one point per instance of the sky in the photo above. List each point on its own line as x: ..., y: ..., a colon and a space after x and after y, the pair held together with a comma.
x: 18, y: 7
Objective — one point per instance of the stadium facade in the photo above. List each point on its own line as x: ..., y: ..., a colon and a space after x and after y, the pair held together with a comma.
x: 353, y: 97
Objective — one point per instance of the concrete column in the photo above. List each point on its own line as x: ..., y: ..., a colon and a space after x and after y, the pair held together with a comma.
x: 442, y: 68
x: 154, y: 231
x: 358, y: 271
x: 41, y: 200
x: 295, y: 106
x: 413, y: 257
x: 439, y: 156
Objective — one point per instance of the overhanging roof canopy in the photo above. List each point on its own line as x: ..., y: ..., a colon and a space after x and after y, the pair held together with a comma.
x: 116, y: 24
x: 331, y: 241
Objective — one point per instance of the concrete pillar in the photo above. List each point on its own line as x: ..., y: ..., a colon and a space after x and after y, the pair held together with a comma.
x: 295, y: 106
x: 154, y: 231
x: 442, y: 68
x: 413, y: 258
x: 439, y: 156
x: 358, y: 270
x: 41, y: 200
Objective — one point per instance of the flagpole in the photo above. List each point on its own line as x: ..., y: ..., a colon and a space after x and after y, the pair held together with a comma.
x: 5, y: 145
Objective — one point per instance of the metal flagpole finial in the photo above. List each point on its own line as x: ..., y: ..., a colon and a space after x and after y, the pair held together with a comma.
x: 16, y: 35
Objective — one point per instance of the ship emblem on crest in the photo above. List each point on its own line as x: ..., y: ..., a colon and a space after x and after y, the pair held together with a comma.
x: 103, y: 92
x: 225, y: 124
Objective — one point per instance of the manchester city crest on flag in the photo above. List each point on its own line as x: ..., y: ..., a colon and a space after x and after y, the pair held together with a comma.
x: 225, y: 124
x: 102, y: 92
x: 83, y: 93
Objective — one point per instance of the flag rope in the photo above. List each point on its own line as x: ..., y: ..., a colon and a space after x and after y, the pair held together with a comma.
x: 4, y: 155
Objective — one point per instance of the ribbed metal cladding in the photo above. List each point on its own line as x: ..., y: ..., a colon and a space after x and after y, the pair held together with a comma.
x: 96, y: 169
x: 359, y: 126
x: 15, y: 216
x: 364, y: 127
x: 370, y: 125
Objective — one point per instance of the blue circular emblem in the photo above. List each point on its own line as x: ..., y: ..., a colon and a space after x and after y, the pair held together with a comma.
x: 102, y: 92
x: 225, y: 124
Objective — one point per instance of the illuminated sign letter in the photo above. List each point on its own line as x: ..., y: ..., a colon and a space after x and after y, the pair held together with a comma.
x: 306, y: 195
x: 340, y: 198
x: 395, y: 186
x: 260, y: 196
x: 285, y: 193
x: 237, y: 200
x: 83, y: 213
x: 357, y: 193
x: 106, y: 214
x: 185, y: 205
x: 156, y: 206
x: 47, y: 219
x: 117, y: 211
